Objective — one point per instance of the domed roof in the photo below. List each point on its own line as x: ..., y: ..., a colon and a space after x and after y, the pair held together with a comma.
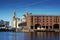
x: 23, y: 17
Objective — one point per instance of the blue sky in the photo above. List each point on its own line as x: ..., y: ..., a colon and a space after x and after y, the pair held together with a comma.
x: 42, y: 7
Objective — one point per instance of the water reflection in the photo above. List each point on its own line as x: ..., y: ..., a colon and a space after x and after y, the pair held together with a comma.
x: 30, y: 36
x: 14, y: 37
x: 44, y: 36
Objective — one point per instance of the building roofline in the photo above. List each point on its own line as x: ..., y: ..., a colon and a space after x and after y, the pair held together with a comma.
x: 45, y: 15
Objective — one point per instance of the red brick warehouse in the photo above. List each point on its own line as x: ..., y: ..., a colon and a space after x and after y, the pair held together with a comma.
x: 43, y: 21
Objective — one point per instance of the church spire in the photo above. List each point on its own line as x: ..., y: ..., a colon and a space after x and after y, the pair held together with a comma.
x: 14, y: 12
x: 14, y: 15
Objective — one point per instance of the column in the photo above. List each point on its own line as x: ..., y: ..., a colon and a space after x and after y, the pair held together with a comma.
x: 48, y: 27
x: 52, y: 27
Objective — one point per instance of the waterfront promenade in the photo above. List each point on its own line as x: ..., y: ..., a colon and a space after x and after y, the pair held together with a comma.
x: 28, y: 30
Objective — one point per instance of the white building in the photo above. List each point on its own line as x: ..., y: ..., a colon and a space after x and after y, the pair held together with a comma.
x: 16, y: 21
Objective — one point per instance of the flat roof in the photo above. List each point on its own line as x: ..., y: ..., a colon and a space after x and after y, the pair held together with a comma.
x: 45, y: 15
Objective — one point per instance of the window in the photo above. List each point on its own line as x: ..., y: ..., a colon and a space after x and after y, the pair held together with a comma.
x: 35, y: 18
x: 50, y: 27
x: 43, y: 26
x: 39, y: 16
x: 43, y: 21
x: 31, y: 20
x: 47, y: 21
x: 54, y: 21
x: 47, y: 18
x: 50, y: 21
x: 57, y: 21
x: 43, y: 18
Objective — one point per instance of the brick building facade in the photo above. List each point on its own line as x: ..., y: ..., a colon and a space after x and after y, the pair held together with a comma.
x: 43, y: 21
